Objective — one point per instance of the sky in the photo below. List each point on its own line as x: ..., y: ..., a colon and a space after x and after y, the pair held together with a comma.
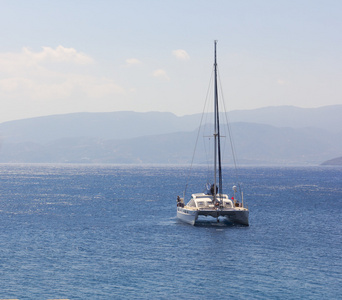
x: 70, y: 56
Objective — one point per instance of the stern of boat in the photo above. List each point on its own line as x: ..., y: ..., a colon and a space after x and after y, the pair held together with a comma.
x: 240, y: 216
x: 187, y: 215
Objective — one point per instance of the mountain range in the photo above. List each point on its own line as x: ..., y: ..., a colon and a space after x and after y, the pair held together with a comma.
x: 283, y: 135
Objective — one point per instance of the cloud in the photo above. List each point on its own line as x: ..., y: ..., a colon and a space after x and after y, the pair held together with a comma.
x: 160, y: 73
x: 27, y: 58
x: 133, y: 61
x: 63, y: 87
x: 28, y: 63
x: 281, y: 82
x: 181, y: 54
x: 99, y: 87
x: 60, y: 54
x: 52, y: 74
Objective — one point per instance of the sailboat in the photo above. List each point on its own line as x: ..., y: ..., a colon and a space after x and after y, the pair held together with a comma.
x: 214, y: 203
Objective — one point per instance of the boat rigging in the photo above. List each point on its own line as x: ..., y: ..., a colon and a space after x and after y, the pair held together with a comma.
x: 214, y: 203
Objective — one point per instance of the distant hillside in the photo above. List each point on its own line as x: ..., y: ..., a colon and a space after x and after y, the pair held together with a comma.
x: 129, y: 137
x: 254, y: 144
x: 125, y: 124
x: 333, y: 162
x: 111, y: 125
x: 326, y: 117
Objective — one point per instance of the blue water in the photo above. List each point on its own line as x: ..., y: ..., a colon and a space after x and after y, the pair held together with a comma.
x: 110, y: 232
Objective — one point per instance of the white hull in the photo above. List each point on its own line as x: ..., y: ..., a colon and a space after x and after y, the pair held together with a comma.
x: 187, y: 216
x: 234, y: 215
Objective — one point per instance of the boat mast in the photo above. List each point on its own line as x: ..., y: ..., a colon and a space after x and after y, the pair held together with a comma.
x: 217, y: 146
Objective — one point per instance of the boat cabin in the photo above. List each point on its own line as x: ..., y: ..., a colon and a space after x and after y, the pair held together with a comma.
x: 204, y: 201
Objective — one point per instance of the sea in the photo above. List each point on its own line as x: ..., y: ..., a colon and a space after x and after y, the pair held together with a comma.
x: 111, y: 232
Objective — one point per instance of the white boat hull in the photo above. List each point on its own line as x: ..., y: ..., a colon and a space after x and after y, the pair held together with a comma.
x: 187, y: 216
x: 234, y: 215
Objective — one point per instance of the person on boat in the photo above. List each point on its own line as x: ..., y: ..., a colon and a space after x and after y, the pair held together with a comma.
x: 179, y: 202
x: 212, y: 189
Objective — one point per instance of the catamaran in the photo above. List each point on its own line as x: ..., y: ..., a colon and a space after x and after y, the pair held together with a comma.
x: 213, y: 202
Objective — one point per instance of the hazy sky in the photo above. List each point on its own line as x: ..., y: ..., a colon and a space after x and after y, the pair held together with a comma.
x: 75, y: 56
